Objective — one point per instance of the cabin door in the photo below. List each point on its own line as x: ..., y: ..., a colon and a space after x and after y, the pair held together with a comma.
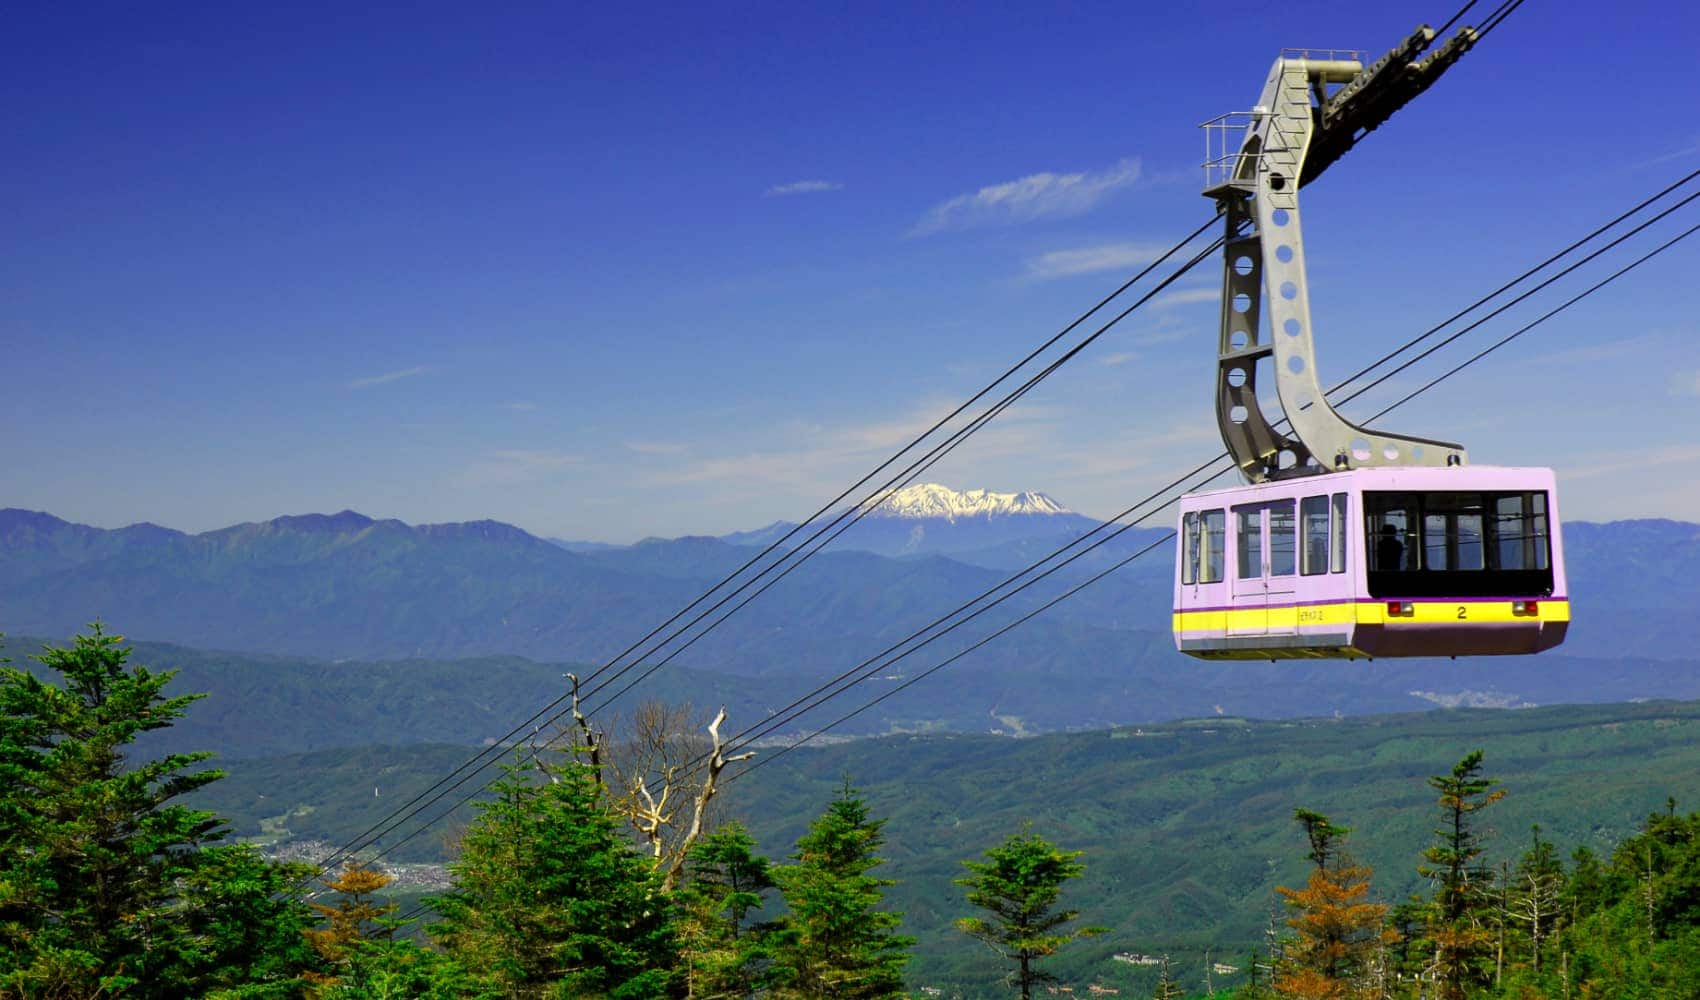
x: 1265, y: 566
x: 1250, y: 589
x: 1281, y: 562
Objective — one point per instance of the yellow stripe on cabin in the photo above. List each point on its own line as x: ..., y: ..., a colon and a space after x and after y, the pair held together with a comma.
x: 1288, y: 619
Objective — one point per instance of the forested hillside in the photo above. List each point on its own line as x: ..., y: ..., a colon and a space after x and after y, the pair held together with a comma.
x: 1186, y: 826
x: 1178, y: 844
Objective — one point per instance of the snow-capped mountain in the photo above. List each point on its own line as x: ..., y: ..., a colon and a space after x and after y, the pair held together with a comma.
x: 931, y: 500
x: 929, y: 518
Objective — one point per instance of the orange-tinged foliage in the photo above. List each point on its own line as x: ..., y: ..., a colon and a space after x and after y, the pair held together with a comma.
x: 354, y: 917
x: 1308, y: 984
x: 1338, y: 934
x: 1455, y: 949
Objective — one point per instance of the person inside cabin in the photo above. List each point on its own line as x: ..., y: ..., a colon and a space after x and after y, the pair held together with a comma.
x: 1389, y: 551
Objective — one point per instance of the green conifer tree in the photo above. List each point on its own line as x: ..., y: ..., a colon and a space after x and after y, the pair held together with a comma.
x: 102, y: 885
x: 248, y: 917
x: 551, y: 899
x: 401, y: 970
x: 723, y: 955
x: 1456, y: 918
x: 1019, y: 884
x: 835, y: 942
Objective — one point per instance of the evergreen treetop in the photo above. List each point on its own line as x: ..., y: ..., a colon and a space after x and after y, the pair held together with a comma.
x: 551, y: 898
x: 1019, y: 885
x: 836, y: 943
x: 93, y: 847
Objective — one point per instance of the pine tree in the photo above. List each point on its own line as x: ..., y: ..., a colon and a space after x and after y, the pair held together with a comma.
x: 1166, y: 988
x: 1461, y: 943
x: 835, y: 942
x: 249, y: 920
x: 725, y: 879
x: 1642, y: 936
x: 355, y: 917
x: 1019, y: 884
x: 94, y: 850
x: 1338, y: 934
x: 551, y: 899
x: 401, y: 970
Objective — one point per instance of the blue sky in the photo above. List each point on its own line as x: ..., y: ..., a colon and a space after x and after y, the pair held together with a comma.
x: 607, y: 274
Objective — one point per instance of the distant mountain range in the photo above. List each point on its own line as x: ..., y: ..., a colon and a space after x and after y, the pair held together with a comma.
x: 346, y: 586
x: 349, y: 586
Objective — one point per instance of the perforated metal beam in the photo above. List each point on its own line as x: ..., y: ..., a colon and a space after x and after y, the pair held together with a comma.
x: 1265, y: 254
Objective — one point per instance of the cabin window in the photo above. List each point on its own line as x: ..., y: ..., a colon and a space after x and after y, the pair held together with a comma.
x: 1212, y: 540
x: 1248, y: 542
x: 1189, y: 548
x: 1437, y: 554
x: 1337, y: 553
x: 1283, y: 539
x: 1313, y: 524
x: 1458, y: 544
x: 1392, y: 531
x: 1519, y: 531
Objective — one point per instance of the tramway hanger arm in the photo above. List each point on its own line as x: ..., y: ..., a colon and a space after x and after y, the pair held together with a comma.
x: 1315, y: 105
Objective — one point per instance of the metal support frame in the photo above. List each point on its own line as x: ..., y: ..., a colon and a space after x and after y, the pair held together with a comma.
x: 1258, y: 196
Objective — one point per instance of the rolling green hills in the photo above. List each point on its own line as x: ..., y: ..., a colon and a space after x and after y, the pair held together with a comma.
x: 1186, y: 825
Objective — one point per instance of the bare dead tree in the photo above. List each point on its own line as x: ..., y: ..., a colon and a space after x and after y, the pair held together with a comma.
x: 1536, y: 904
x: 717, y: 761
x: 589, y: 741
x: 648, y: 764
x: 663, y: 776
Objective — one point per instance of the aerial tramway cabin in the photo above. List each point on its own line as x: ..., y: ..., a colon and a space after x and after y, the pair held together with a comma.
x: 1345, y: 541
x: 1462, y: 561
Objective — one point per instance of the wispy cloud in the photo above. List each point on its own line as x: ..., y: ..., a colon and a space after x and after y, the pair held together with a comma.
x: 1091, y: 260
x: 1589, y: 355
x: 832, y: 455
x: 1686, y: 383
x: 1118, y: 358
x: 1187, y: 297
x: 803, y: 187
x: 520, y: 406
x: 655, y: 447
x: 1633, y: 461
x: 538, y: 459
x: 517, y: 467
x: 1164, y: 328
x: 1681, y: 153
x: 371, y: 380
x: 1120, y: 456
x: 1036, y: 196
